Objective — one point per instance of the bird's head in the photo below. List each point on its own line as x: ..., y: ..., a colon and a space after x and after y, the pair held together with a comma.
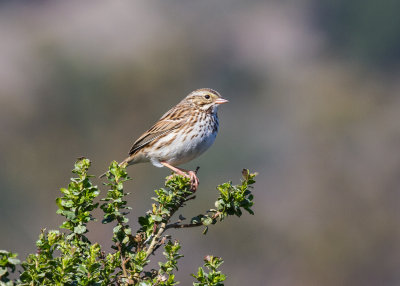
x: 206, y: 99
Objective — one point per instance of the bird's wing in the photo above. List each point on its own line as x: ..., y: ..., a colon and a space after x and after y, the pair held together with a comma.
x: 170, y: 121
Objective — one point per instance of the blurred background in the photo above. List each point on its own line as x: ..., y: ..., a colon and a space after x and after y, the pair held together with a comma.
x: 314, y: 108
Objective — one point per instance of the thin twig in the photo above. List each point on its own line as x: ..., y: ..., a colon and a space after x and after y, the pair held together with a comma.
x: 161, y: 230
x: 163, y: 226
x: 186, y: 225
x: 122, y: 259
x: 155, y: 239
x: 177, y: 225
x: 190, y: 198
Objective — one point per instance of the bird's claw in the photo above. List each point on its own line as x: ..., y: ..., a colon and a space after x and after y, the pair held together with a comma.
x: 194, y: 181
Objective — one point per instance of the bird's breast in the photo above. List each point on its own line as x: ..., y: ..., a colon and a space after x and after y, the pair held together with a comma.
x: 189, y: 141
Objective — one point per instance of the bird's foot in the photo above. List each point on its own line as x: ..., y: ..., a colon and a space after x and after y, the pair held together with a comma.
x: 192, y: 175
x: 194, y: 181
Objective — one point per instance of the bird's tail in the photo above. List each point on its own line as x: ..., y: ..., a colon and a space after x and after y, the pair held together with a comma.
x: 125, y: 162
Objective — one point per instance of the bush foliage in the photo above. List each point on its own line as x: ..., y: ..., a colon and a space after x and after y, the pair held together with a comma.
x: 69, y: 258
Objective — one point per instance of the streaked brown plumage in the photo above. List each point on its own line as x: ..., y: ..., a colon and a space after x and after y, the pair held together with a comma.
x: 181, y: 134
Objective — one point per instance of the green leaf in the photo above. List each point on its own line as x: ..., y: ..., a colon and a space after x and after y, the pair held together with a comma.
x: 3, y: 271
x: 156, y: 218
x: 117, y: 228
x: 206, y: 220
x: 125, y: 240
x: 128, y: 230
x: 14, y: 261
x: 80, y: 229
x: 69, y: 258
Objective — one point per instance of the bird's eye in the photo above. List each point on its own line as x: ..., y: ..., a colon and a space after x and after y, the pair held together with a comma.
x: 207, y: 96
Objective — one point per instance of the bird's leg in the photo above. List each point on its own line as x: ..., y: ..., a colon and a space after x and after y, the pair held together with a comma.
x: 194, y: 181
x: 177, y: 170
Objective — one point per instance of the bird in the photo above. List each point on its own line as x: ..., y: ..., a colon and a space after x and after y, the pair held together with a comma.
x: 182, y: 134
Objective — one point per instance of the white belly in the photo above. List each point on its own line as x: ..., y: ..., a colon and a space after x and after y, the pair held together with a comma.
x: 185, y: 146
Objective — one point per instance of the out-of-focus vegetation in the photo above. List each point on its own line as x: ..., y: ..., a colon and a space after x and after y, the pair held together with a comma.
x: 367, y: 31
x: 313, y: 107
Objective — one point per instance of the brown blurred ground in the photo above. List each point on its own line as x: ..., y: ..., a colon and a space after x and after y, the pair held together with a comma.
x: 314, y: 108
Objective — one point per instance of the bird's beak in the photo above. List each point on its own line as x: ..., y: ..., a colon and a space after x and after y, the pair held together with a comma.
x: 221, y: 101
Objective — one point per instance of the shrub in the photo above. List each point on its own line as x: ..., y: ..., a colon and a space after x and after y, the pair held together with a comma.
x: 69, y: 258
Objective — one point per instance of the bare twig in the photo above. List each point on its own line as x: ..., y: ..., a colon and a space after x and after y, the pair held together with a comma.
x: 123, y: 260
x: 187, y: 225
x: 154, y: 244
x: 190, y: 198
x: 161, y: 230
x: 155, y: 239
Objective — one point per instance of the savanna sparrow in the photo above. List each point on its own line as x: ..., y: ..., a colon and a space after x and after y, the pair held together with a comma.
x: 181, y: 134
